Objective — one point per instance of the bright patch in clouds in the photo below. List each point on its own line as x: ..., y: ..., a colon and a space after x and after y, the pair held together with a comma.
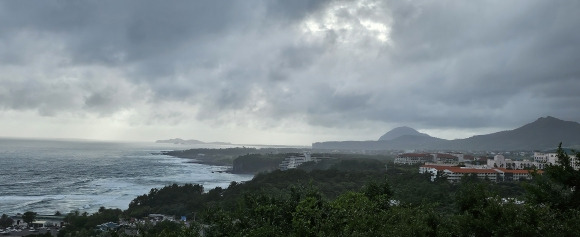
x: 348, y: 21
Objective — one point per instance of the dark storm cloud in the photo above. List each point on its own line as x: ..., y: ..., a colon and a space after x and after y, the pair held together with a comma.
x: 475, y: 59
x: 97, y: 32
x: 428, y: 64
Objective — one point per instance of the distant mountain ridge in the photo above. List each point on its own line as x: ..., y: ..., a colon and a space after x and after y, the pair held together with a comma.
x: 544, y: 133
x: 189, y: 142
x: 401, y: 131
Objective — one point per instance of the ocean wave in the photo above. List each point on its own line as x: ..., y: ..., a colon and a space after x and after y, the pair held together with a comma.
x: 65, y: 176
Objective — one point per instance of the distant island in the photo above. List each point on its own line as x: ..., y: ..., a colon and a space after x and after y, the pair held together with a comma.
x: 538, y: 135
x: 190, y: 142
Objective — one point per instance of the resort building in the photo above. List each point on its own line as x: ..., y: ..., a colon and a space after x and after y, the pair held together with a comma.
x: 454, y: 173
x: 515, y: 175
x: 541, y: 159
x: 292, y: 162
x: 447, y: 158
x: 499, y: 161
x: 438, y: 158
x: 413, y: 158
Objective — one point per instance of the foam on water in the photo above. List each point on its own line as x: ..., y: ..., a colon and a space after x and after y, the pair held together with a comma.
x: 50, y: 176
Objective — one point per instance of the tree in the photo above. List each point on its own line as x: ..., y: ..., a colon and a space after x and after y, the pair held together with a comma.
x: 380, y: 193
x: 6, y: 221
x: 29, y: 217
x: 559, y: 187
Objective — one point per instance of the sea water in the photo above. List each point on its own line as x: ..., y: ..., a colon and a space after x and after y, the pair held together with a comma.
x: 46, y: 176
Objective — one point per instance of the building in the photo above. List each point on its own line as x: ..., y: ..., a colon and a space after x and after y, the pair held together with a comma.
x: 445, y: 158
x: 292, y: 162
x: 499, y: 161
x: 433, y: 169
x: 413, y: 158
x: 515, y: 175
x: 454, y: 173
x: 39, y: 224
x: 542, y: 159
x: 422, y: 158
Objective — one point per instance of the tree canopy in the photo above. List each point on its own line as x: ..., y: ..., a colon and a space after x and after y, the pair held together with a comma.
x: 29, y: 217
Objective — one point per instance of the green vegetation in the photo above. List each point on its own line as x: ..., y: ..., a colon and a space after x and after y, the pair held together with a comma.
x: 256, y: 163
x: 84, y: 224
x: 226, y: 156
x: 358, y: 197
x: 29, y: 217
x: 6, y: 221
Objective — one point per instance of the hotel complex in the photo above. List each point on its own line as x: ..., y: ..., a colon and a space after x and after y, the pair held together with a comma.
x: 292, y: 162
x: 456, y: 165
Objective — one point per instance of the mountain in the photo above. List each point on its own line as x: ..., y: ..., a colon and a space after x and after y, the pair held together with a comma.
x: 401, y: 131
x: 400, y: 138
x: 544, y: 133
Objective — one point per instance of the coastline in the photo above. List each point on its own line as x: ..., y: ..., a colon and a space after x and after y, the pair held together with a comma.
x: 67, y: 176
x: 200, y: 159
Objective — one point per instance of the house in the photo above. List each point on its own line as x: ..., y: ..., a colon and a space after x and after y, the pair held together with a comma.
x: 38, y: 224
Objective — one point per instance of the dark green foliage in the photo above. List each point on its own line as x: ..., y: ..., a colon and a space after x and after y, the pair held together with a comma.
x: 163, y: 228
x: 84, y: 223
x: 360, y: 198
x: 6, y: 221
x: 255, y: 163
x: 47, y: 234
x: 380, y: 194
x: 172, y: 200
x: 29, y: 217
x: 559, y: 186
x: 226, y: 156
x: 364, y: 165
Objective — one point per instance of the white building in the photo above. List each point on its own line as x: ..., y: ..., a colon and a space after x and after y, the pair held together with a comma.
x: 413, y: 158
x: 499, y: 161
x: 551, y: 157
x: 541, y: 160
x: 292, y: 162
x: 454, y: 173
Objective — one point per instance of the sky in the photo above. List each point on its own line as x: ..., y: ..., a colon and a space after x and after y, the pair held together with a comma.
x: 284, y: 72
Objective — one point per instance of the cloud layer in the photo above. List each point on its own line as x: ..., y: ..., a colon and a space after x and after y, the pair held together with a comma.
x: 287, y: 71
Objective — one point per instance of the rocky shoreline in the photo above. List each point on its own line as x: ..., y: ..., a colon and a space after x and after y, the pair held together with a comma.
x: 226, y: 162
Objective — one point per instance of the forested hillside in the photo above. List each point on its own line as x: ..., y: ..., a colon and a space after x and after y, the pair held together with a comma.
x: 359, y: 197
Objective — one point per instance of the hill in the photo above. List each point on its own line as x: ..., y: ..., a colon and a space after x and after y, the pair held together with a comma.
x: 401, y: 131
x: 544, y: 133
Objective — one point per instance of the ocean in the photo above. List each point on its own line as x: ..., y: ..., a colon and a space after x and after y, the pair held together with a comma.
x: 46, y: 176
